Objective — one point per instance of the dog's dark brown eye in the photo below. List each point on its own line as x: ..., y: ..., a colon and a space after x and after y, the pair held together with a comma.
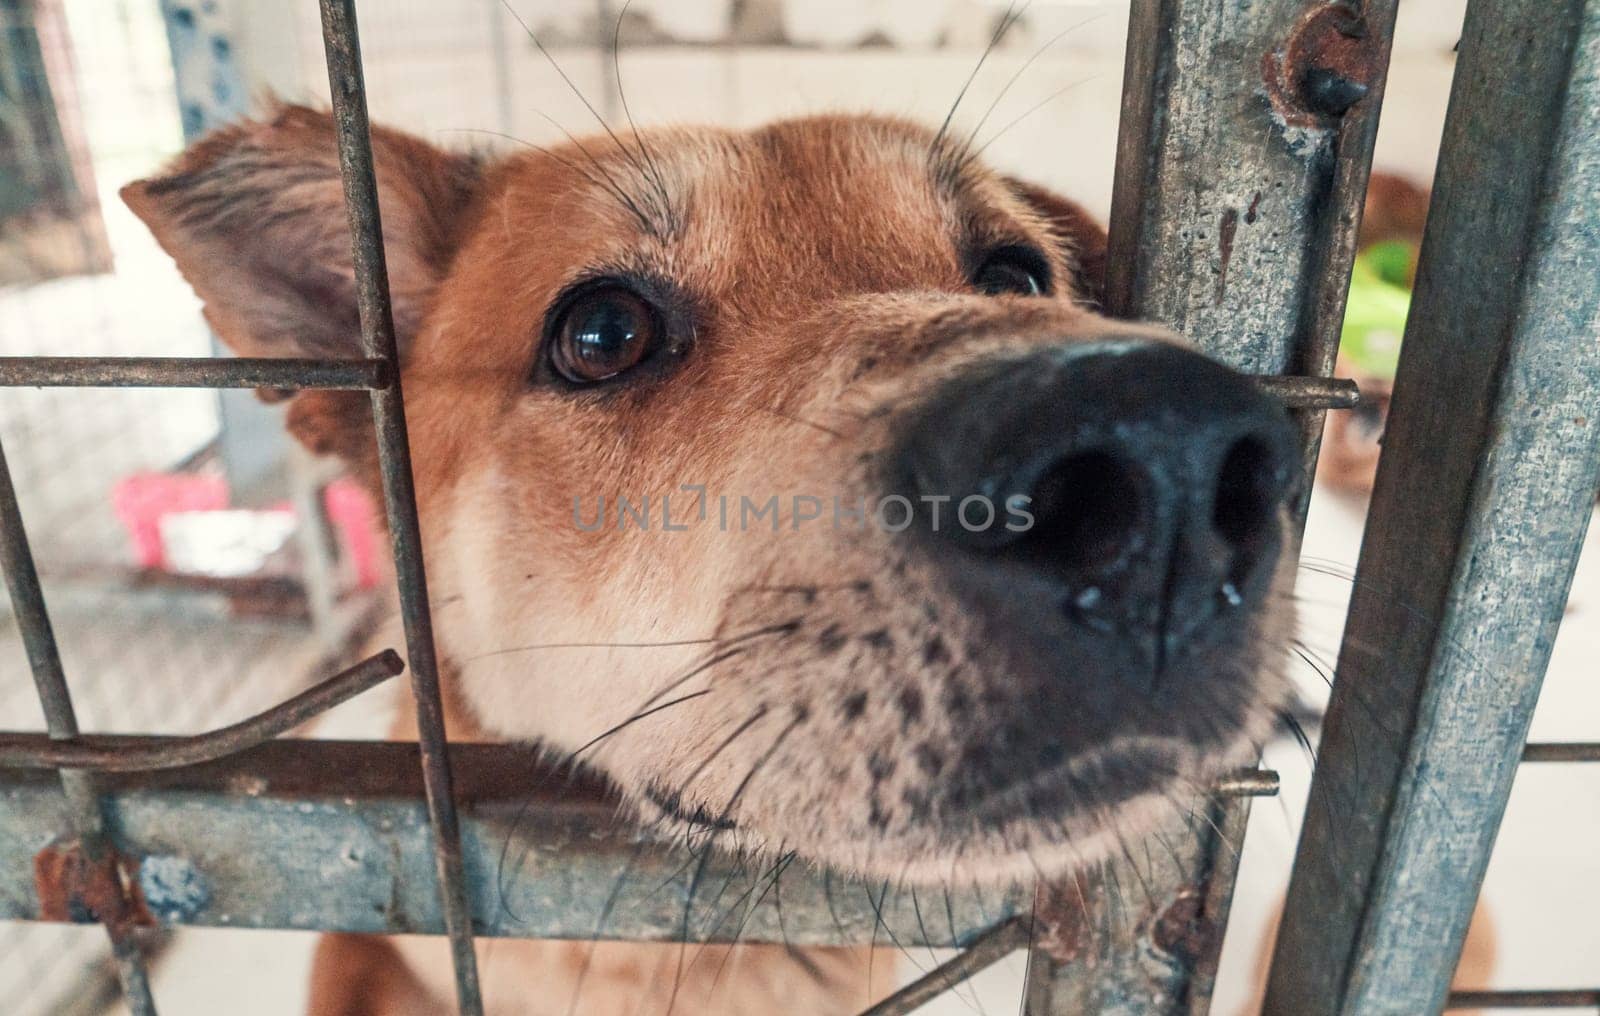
x: 1015, y: 270
x: 602, y: 333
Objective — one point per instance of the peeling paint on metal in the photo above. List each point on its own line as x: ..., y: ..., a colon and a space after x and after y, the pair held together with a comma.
x: 173, y: 888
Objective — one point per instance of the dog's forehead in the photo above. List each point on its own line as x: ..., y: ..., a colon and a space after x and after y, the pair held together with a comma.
x: 828, y: 205
x: 840, y: 202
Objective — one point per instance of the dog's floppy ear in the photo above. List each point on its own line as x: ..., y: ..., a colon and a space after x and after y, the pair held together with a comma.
x: 1082, y: 239
x: 254, y: 216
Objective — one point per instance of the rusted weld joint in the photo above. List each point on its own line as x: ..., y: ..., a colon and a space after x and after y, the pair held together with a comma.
x: 1325, y: 66
x: 1183, y: 928
x: 79, y: 888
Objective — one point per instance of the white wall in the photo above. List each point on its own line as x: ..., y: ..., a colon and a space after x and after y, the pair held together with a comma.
x: 431, y: 66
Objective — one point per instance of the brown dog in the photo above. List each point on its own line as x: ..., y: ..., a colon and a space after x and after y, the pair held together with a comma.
x: 944, y: 575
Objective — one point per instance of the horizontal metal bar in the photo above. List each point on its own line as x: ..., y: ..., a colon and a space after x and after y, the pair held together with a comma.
x: 190, y: 372
x: 333, y: 835
x: 985, y: 951
x: 1587, y: 998
x: 135, y: 754
x: 1302, y: 392
x: 267, y: 372
x: 1562, y: 751
x: 1248, y: 783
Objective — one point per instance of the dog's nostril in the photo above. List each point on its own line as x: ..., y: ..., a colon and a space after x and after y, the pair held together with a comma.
x: 1248, y: 491
x: 1088, y: 511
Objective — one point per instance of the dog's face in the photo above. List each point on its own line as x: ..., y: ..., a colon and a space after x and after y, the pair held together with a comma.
x: 797, y: 463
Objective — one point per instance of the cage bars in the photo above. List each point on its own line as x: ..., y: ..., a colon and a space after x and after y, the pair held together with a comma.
x: 342, y: 44
x: 84, y: 816
x: 1486, y: 485
x: 1240, y: 178
x: 1243, y: 155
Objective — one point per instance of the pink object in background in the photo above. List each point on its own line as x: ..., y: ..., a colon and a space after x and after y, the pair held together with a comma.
x: 142, y: 500
x: 354, y: 516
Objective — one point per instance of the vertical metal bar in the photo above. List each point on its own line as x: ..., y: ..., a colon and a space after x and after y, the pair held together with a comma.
x: 346, y: 82
x: 38, y: 636
x: 1485, y: 487
x: 1242, y: 161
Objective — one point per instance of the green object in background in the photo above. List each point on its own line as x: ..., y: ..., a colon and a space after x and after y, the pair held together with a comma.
x: 1375, y: 313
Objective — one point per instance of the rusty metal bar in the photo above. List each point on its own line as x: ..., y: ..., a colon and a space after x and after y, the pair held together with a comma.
x: 342, y: 44
x: 83, y: 814
x: 349, y: 821
x: 122, y: 754
x: 1486, y: 485
x: 985, y: 951
x: 189, y: 372
x: 1559, y: 999
x: 1302, y: 392
x: 1242, y: 160
x: 373, y: 374
x: 1248, y: 783
x: 1562, y: 751
x: 337, y: 837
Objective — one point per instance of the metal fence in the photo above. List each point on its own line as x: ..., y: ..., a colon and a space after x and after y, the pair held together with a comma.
x: 1245, y: 147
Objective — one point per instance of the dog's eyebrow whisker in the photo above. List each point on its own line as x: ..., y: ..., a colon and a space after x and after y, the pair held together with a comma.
x: 613, y: 187
x: 1042, y: 103
x: 937, y: 148
x: 607, y: 184
x: 627, y: 153
x: 1018, y: 75
x: 655, y: 174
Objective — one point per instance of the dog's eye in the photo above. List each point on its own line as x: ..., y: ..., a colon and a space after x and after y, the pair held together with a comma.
x: 1015, y: 270
x: 602, y: 333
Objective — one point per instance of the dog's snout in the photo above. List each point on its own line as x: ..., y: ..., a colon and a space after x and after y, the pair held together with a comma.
x: 1143, y: 484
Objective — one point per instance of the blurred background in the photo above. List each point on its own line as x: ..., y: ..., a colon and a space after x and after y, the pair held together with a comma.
x: 199, y: 569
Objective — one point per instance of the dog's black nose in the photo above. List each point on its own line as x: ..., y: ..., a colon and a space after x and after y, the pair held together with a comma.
x: 1137, y: 486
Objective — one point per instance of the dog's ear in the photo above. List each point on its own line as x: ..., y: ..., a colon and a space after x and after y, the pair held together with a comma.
x: 254, y: 216
x: 1081, y: 238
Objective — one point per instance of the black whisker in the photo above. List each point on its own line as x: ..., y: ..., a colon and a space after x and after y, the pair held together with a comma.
x: 800, y: 420
x: 974, y: 154
x: 654, y: 175
x: 569, y: 764
x: 937, y: 153
x: 967, y: 146
x: 727, y: 812
x: 627, y: 153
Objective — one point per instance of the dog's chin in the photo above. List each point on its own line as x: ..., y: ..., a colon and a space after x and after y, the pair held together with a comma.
x: 1046, y: 826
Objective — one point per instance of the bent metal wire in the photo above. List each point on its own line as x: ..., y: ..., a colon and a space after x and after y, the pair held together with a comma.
x: 1195, y: 183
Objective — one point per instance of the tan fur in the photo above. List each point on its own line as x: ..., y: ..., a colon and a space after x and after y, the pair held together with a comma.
x: 826, y: 268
